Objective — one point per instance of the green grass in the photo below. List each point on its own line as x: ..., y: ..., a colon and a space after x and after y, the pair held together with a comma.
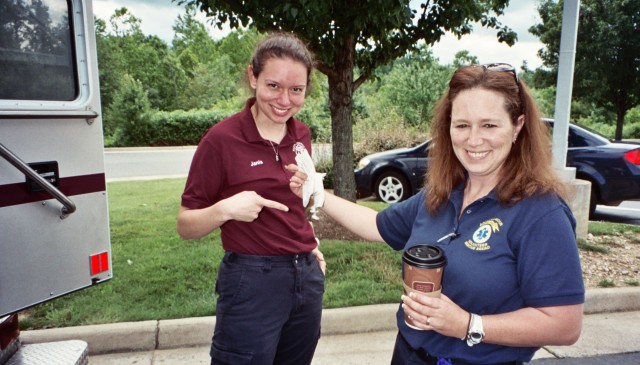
x: 606, y: 283
x: 589, y: 246
x: 157, y: 275
x: 612, y: 229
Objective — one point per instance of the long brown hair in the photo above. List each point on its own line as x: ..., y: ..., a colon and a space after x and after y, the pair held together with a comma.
x: 528, y: 168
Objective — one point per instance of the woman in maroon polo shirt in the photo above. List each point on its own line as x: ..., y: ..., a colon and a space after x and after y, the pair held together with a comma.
x: 270, y: 283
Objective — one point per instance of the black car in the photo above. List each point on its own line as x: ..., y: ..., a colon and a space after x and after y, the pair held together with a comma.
x: 612, y: 168
x: 393, y: 175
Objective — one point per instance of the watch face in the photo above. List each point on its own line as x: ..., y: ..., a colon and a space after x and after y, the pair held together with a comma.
x: 472, y: 340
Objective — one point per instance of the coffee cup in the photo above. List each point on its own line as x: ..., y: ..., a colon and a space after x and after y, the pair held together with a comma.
x: 423, y: 266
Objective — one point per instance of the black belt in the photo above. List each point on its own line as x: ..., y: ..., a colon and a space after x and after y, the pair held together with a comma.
x: 274, y: 261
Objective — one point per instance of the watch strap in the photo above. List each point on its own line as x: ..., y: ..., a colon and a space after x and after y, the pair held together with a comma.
x: 466, y: 334
x: 475, y: 335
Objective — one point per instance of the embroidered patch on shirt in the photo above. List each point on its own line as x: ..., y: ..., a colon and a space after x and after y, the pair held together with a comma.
x: 480, y: 238
x: 299, y: 148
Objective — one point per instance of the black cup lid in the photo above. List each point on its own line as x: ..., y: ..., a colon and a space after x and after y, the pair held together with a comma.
x: 425, y: 256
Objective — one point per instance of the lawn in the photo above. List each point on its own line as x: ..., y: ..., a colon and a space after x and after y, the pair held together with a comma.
x: 157, y: 275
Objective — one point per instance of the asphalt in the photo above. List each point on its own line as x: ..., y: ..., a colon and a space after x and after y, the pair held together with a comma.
x: 350, y: 336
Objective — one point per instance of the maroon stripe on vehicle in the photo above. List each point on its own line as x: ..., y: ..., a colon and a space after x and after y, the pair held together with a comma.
x: 16, y: 194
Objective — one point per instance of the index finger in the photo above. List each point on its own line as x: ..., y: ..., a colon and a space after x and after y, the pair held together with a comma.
x: 274, y: 204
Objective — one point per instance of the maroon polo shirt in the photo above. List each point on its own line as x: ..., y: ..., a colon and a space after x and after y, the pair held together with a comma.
x: 232, y: 158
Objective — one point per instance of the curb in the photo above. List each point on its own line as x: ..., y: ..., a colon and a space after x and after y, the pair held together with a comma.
x: 143, y: 148
x: 608, y: 300
x: 191, y: 332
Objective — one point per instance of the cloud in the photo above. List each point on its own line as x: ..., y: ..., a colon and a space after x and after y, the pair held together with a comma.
x: 159, y: 16
x: 483, y: 43
x: 488, y: 50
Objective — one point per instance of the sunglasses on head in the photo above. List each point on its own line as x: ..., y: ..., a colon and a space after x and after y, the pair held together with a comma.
x: 502, y: 67
x: 505, y: 67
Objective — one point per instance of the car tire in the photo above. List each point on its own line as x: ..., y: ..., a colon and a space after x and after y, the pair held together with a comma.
x: 392, y: 187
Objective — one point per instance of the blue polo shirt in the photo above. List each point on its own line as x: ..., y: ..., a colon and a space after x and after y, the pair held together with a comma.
x: 501, y: 258
x: 231, y: 158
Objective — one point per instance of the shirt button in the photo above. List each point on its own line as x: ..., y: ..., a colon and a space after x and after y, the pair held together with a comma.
x: 469, y: 211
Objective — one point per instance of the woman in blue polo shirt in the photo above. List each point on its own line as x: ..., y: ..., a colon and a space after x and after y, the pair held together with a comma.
x: 513, y: 281
x: 270, y: 283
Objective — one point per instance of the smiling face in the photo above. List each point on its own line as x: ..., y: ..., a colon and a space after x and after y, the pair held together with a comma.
x: 280, y: 90
x: 482, y: 132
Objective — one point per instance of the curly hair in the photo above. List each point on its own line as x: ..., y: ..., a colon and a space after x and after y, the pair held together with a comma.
x: 528, y: 168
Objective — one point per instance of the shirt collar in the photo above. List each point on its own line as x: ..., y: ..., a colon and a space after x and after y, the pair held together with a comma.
x: 457, y: 195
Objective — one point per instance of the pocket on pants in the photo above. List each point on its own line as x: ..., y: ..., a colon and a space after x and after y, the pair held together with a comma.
x: 228, y: 357
x: 230, y: 286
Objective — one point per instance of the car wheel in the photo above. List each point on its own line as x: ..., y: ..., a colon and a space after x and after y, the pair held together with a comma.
x: 392, y: 187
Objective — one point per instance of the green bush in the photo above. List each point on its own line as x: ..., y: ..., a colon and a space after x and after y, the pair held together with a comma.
x: 385, y: 130
x: 631, y: 130
x: 128, y: 114
x: 327, y: 168
x: 181, y: 128
x: 316, y: 115
x: 633, y: 116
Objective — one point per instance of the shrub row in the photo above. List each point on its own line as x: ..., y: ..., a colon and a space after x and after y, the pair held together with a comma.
x: 181, y: 128
x: 174, y: 128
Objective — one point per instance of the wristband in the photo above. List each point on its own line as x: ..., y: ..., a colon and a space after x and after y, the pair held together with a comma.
x: 467, y: 331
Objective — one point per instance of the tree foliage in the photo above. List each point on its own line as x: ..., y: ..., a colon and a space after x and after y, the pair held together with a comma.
x: 190, y: 34
x: 210, y: 83
x: 126, y: 50
x: 607, y: 64
x: 413, y: 85
x: 356, y: 37
x: 127, y: 112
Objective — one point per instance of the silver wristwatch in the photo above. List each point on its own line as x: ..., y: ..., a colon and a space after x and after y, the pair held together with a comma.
x: 475, y: 335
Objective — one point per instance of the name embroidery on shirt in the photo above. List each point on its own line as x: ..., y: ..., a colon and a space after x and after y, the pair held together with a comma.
x: 256, y: 163
x: 480, y: 238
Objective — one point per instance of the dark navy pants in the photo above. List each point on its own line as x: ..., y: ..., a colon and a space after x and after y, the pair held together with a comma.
x: 268, y: 310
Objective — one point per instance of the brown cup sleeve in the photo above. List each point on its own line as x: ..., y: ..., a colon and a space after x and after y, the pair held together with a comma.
x: 433, y: 294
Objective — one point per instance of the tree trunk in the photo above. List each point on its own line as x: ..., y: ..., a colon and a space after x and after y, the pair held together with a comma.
x: 620, y: 120
x: 341, y: 105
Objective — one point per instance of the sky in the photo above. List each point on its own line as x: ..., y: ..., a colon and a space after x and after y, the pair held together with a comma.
x: 158, y: 17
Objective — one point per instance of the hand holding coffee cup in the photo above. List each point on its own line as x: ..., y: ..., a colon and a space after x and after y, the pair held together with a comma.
x: 423, y: 266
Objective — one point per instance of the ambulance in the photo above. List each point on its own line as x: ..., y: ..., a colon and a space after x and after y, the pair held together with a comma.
x: 54, y: 222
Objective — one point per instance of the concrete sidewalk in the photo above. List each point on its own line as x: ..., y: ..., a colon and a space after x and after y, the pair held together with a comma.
x: 354, y: 335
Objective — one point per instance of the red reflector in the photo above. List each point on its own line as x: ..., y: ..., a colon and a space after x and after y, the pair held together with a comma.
x: 99, y: 262
x: 633, y: 156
